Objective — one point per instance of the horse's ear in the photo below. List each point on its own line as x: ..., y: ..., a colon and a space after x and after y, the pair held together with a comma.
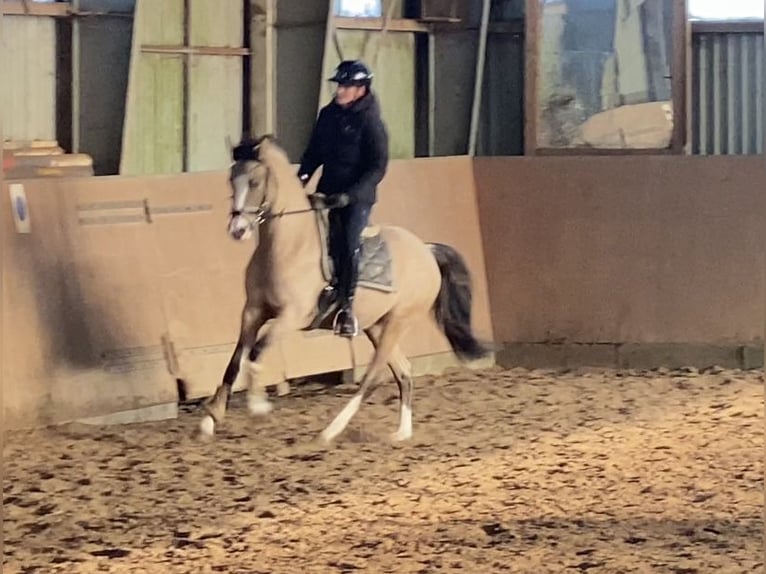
x: 264, y: 143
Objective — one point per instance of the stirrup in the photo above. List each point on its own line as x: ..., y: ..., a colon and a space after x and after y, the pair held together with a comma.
x: 336, y: 325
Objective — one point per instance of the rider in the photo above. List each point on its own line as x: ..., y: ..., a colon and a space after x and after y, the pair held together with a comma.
x: 350, y: 141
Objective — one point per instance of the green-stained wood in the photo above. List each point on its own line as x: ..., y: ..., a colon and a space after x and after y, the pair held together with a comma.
x: 217, y: 23
x: 28, y: 62
x: 153, y: 129
x: 181, y: 108
x: 215, y: 110
x: 392, y: 59
x: 214, y: 105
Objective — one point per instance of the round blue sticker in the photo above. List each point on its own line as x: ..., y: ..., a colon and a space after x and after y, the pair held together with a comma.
x: 21, y: 208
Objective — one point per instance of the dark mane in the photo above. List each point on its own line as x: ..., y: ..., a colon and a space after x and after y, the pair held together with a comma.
x: 247, y: 148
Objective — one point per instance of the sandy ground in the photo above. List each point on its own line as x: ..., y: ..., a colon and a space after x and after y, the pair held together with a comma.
x: 509, y: 471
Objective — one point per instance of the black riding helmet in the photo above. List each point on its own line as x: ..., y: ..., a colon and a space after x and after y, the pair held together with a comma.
x: 352, y: 73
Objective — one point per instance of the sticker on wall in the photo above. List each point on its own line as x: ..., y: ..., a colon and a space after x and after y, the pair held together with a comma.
x: 20, y: 208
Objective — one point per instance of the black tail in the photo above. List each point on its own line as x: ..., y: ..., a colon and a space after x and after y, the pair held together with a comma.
x: 452, y: 308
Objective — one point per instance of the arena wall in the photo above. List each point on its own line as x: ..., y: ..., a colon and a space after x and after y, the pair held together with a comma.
x: 123, y: 285
x: 630, y: 261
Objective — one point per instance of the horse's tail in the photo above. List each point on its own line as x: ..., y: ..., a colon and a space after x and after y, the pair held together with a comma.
x: 452, y: 308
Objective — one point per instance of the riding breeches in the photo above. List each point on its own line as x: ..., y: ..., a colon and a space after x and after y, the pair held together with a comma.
x: 346, y: 226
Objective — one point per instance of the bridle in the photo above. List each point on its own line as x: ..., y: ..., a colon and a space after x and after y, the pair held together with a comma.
x: 261, y: 213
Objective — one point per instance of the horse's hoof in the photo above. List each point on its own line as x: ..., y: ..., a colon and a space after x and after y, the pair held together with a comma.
x: 325, y: 438
x: 400, y: 436
x: 207, y: 427
x: 259, y: 406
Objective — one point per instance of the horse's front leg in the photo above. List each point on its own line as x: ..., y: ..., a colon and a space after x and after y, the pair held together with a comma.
x: 257, y: 399
x: 253, y: 318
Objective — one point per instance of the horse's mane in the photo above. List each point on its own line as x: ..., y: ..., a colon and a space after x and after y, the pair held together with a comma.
x: 266, y: 150
x: 249, y: 148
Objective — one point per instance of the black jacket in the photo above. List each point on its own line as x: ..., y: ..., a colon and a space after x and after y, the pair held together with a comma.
x: 352, y: 145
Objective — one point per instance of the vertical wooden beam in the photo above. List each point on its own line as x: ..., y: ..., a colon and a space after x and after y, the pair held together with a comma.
x: 185, y: 146
x: 532, y: 30
x: 479, y: 79
x: 431, y: 94
x: 75, y: 79
x: 680, y: 69
x: 247, y: 68
x: 262, y: 62
x: 331, y: 43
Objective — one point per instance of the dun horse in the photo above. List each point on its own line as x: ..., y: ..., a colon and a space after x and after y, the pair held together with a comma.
x: 285, y: 277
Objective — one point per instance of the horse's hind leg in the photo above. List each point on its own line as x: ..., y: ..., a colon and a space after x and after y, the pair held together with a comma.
x: 402, y: 371
x: 386, y: 345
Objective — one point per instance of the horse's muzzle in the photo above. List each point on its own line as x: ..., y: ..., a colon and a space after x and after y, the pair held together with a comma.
x: 239, y: 227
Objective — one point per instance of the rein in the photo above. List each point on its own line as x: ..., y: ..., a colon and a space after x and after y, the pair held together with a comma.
x: 263, y: 214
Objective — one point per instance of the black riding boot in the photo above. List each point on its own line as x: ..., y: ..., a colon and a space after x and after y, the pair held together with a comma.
x: 330, y: 295
x: 346, y: 324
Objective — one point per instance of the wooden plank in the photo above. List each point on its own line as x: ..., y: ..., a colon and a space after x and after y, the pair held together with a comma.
x: 153, y: 130
x: 726, y: 27
x: 262, y: 74
x: 589, y: 151
x: 214, y: 82
x: 28, y: 61
x: 34, y: 151
x: 10, y: 145
x: 533, y: 26
x: 216, y: 23
x: 62, y: 160
x: 157, y: 131
x: 396, y: 24
x: 679, y: 72
x: 214, y: 110
x: 194, y: 50
x: 33, y: 172
x: 21, y: 8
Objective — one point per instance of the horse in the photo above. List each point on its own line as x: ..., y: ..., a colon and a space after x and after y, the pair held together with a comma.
x: 284, y: 280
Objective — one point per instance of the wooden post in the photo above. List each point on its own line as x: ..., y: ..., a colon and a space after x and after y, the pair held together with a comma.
x: 531, y: 72
x: 680, y: 92
x: 330, y: 42
x: 263, y: 87
x: 75, y: 71
x: 479, y: 79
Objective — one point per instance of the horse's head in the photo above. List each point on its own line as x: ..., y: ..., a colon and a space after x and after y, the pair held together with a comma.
x: 249, y: 180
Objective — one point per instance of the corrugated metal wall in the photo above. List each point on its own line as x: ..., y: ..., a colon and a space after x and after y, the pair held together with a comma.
x: 28, y: 52
x: 727, y: 87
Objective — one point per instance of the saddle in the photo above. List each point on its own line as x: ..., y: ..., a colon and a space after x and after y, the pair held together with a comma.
x: 374, y: 263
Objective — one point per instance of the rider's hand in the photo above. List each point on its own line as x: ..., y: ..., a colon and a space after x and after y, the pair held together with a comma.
x: 334, y: 201
x: 318, y: 200
x: 337, y: 200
